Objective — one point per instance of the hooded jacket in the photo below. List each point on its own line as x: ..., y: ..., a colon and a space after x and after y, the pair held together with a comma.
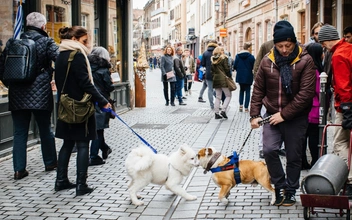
x: 206, y: 62
x: 243, y: 65
x: 268, y: 89
x: 220, y: 68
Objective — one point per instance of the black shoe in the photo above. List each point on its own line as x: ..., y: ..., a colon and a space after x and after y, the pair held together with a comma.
x: 182, y: 103
x: 82, y: 189
x: 184, y: 97
x: 64, y: 184
x: 282, y: 152
x: 223, y: 114
x: 167, y: 104
x: 279, y: 194
x: 106, y: 153
x: 20, y: 174
x: 96, y: 161
x: 261, y: 154
x: 50, y: 167
x: 289, y: 200
x: 218, y: 116
x: 172, y: 104
x: 201, y: 100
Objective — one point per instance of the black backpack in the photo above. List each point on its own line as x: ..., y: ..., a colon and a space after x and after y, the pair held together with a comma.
x: 20, y: 60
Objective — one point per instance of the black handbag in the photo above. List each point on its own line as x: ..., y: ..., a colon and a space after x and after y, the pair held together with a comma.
x: 73, y: 111
x: 347, y: 115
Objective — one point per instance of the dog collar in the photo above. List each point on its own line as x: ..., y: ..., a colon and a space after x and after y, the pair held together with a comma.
x: 212, y: 161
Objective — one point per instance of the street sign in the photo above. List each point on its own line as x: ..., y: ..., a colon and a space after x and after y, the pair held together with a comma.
x: 223, y: 32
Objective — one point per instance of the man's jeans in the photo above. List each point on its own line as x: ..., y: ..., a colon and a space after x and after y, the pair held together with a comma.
x: 179, y: 86
x: 21, y: 120
x: 98, y: 144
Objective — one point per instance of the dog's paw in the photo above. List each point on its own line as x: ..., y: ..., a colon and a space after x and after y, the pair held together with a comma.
x: 190, y: 198
x: 137, y: 202
x: 224, y: 201
x: 139, y: 196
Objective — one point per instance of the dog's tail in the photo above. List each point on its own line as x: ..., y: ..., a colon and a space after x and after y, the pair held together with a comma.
x: 140, y: 158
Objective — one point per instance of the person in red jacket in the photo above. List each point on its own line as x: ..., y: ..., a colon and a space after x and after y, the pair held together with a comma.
x: 341, y: 63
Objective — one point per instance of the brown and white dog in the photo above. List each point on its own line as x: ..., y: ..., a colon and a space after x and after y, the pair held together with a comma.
x: 251, y: 172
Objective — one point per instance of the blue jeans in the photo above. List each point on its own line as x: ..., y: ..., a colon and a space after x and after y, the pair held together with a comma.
x: 21, y: 120
x: 179, y: 86
x: 245, y: 89
x: 98, y: 144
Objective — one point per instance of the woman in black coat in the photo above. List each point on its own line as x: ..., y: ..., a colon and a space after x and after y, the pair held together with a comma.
x: 100, y: 64
x: 79, y: 81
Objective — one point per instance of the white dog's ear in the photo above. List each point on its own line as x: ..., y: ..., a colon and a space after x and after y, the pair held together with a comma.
x: 183, y: 148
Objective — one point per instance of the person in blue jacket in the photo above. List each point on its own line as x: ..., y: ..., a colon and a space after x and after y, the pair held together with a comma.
x: 243, y: 64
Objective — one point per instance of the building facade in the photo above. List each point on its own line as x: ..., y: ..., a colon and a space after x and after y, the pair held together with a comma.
x: 109, y: 23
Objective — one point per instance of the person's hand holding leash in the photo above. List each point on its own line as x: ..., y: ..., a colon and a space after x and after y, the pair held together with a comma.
x: 276, y: 119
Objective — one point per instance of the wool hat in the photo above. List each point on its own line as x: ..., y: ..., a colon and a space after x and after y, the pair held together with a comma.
x: 283, y: 31
x: 327, y: 33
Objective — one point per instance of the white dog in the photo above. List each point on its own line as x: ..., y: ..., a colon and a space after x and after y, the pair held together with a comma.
x: 145, y: 167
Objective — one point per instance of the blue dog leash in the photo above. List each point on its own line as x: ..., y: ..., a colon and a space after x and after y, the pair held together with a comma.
x: 109, y: 110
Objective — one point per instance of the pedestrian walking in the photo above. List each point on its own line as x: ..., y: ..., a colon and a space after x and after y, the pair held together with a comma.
x: 285, y: 85
x: 34, y: 98
x: 79, y: 81
x: 180, y: 75
x: 243, y: 65
x: 100, y: 64
x: 167, y: 66
x: 206, y: 62
x: 341, y: 62
x: 189, y: 65
x: 220, y: 70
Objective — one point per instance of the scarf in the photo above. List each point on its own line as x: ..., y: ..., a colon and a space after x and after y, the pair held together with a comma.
x: 75, y: 45
x: 285, y: 69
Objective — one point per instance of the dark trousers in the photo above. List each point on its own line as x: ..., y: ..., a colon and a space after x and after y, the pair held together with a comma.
x: 179, y: 86
x: 245, y: 94
x: 292, y: 133
x: 82, y: 156
x: 313, y: 141
x: 188, y: 85
x: 21, y: 120
x: 166, y: 91
x: 98, y: 144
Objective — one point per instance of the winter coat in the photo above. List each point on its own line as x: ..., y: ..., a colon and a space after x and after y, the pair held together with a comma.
x: 167, y: 65
x: 268, y: 89
x: 102, y: 81
x: 77, y: 84
x: 37, y: 94
x: 178, y: 67
x: 313, y: 116
x: 341, y: 63
x: 264, y: 50
x: 192, y: 66
x: 206, y: 62
x: 243, y: 65
x: 220, y: 68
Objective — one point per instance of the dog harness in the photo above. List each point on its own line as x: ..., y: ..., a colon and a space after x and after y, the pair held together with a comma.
x: 232, y: 164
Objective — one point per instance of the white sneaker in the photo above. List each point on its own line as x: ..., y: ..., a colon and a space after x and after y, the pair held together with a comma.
x: 186, y: 93
x: 190, y: 92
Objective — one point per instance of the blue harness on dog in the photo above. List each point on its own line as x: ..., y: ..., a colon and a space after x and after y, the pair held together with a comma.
x: 232, y: 164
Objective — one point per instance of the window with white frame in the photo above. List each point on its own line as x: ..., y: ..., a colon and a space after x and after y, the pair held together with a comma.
x: 84, y: 20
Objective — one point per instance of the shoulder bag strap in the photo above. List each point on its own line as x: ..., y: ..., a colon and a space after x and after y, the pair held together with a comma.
x: 72, y: 55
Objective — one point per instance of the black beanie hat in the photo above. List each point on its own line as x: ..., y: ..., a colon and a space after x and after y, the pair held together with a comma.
x: 283, y: 31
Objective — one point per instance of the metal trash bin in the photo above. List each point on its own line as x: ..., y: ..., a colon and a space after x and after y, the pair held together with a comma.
x: 327, y: 176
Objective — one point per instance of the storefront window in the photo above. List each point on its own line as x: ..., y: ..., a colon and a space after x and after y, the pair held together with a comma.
x: 57, y: 15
